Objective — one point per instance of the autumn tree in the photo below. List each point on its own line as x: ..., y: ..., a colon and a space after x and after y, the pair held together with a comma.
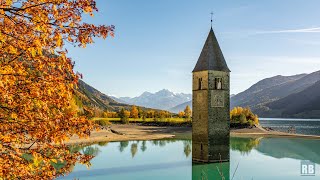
x: 187, y: 112
x: 105, y: 114
x: 37, y: 82
x: 141, y: 112
x: 124, y: 116
x: 162, y: 114
x: 127, y: 113
x: 181, y: 114
x: 240, y: 116
x: 243, y: 119
x: 112, y: 114
x: 98, y: 112
x: 121, y: 113
x: 109, y: 114
x: 134, y: 113
x: 150, y: 114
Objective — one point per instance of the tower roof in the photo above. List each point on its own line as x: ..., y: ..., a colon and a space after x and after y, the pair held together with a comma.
x: 211, y: 57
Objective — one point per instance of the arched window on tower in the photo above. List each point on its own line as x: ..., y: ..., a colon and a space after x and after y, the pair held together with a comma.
x: 218, y: 83
x: 200, y: 83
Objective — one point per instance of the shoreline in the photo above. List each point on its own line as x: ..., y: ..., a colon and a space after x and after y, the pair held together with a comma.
x: 278, y: 134
x: 130, y: 132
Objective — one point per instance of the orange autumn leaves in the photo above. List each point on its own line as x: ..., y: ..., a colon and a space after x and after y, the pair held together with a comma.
x: 37, y: 83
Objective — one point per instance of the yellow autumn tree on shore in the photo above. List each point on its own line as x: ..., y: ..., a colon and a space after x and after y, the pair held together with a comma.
x: 37, y: 83
x: 134, y: 113
x: 188, y: 112
x: 240, y: 116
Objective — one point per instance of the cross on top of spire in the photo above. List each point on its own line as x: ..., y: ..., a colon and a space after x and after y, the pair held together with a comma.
x: 211, y: 18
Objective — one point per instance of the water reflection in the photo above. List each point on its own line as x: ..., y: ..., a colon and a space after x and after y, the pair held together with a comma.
x: 144, y: 146
x: 123, y: 145
x: 294, y: 148
x: 171, y: 159
x: 134, y: 149
x: 156, y: 160
x: 91, y: 150
x: 244, y: 145
x: 160, y: 143
x: 187, y: 148
x: 211, y: 171
x: 103, y: 144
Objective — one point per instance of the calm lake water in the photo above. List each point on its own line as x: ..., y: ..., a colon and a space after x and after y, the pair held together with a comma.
x: 256, y: 158
x: 302, y: 126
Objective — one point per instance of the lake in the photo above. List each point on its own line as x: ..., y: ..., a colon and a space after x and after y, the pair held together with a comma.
x: 251, y: 158
x: 302, y: 126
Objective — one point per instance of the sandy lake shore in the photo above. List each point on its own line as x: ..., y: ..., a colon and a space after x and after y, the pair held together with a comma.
x: 119, y: 132
x: 261, y: 132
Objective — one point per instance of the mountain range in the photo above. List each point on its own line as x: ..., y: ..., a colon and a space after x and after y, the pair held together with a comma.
x: 296, y: 96
x: 91, y: 102
x: 163, y: 99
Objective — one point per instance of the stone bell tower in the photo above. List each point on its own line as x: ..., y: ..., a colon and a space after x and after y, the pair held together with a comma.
x: 211, y: 104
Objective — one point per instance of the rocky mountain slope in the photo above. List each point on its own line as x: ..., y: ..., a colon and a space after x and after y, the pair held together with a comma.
x: 92, y: 98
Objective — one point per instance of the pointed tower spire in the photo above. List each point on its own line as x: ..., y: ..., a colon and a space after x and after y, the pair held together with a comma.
x: 211, y: 57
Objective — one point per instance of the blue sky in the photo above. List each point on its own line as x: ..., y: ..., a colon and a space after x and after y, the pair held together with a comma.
x: 157, y: 42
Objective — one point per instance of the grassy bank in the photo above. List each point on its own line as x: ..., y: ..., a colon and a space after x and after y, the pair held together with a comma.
x: 150, y: 121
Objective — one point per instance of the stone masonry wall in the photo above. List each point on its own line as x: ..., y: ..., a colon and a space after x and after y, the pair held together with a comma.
x: 219, y: 118
x: 200, y: 116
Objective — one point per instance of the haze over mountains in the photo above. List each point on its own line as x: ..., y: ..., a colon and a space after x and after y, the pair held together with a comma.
x: 163, y: 99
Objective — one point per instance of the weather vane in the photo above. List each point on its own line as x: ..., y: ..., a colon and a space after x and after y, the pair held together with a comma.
x: 211, y: 18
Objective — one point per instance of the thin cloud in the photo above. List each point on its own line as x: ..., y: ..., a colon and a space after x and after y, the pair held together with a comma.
x: 248, y: 33
x: 306, y: 60
x: 303, y: 30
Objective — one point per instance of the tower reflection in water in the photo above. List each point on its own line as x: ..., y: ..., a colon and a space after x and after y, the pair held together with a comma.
x: 211, y: 171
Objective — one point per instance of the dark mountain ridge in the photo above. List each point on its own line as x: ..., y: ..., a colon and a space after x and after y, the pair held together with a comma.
x: 301, y: 104
x: 262, y: 96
